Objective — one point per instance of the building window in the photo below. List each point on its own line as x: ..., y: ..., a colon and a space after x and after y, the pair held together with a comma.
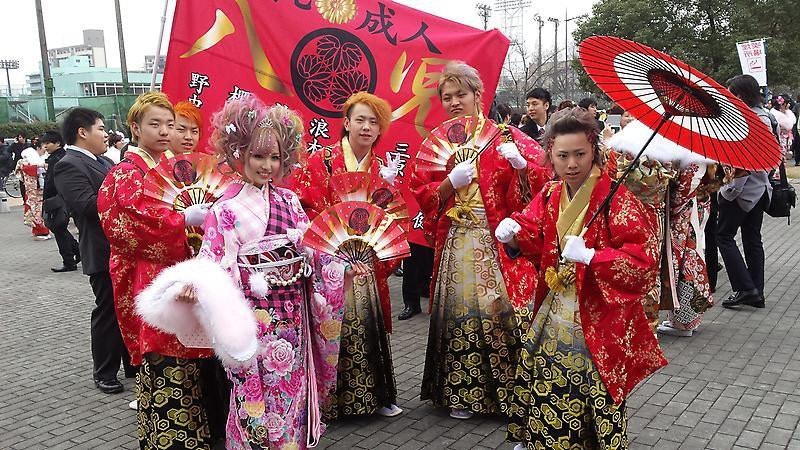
x: 93, y: 89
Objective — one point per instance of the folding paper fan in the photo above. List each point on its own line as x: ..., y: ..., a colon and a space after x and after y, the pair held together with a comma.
x: 185, y: 180
x: 370, y: 188
x: 355, y: 231
x: 457, y: 140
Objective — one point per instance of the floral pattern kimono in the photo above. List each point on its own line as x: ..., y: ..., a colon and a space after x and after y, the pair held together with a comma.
x: 253, y: 234
x: 34, y: 190
x: 687, y: 271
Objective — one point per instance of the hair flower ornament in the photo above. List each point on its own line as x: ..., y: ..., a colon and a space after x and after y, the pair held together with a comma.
x: 230, y: 128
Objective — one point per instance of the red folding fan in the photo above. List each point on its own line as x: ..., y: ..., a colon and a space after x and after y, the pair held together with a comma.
x: 370, y: 188
x: 186, y: 179
x: 355, y: 231
x: 457, y: 140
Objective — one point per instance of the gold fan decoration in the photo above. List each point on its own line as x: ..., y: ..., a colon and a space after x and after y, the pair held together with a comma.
x: 184, y: 180
x: 457, y: 140
x: 355, y: 231
x: 370, y: 188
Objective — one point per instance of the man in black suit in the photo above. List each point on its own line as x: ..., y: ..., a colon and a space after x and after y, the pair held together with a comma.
x: 78, y: 177
x: 538, y: 102
x: 56, y: 216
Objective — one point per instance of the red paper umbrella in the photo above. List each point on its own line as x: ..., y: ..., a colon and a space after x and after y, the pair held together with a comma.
x: 679, y: 102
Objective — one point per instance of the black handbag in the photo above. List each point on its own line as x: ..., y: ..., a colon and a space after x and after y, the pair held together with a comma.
x: 54, y: 213
x: 783, y: 196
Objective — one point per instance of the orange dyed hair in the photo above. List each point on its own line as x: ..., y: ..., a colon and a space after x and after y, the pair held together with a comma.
x: 191, y: 112
x: 378, y: 105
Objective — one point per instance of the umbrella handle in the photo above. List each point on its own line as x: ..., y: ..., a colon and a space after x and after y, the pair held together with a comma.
x: 607, y: 201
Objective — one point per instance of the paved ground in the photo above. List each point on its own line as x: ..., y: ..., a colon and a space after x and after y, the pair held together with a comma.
x: 732, y: 385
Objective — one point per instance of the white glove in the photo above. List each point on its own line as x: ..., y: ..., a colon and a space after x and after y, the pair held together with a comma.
x: 506, y: 230
x: 462, y: 174
x: 390, y: 170
x: 511, y: 153
x: 195, y: 215
x: 575, y: 250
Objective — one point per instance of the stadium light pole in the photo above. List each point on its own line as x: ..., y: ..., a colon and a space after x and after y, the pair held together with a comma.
x: 9, y: 64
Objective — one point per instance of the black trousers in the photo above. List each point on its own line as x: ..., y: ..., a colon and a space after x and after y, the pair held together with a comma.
x: 796, y: 149
x: 744, y: 273
x: 417, y: 271
x: 107, y: 346
x: 67, y: 245
x: 712, y: 260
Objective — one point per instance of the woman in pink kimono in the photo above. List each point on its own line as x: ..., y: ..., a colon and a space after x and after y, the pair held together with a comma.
x: 253, y: 231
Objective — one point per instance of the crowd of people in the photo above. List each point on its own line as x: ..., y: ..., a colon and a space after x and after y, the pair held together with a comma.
x: 545, y: 299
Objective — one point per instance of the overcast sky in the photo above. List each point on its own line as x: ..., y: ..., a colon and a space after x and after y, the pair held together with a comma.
x: 64, y: 21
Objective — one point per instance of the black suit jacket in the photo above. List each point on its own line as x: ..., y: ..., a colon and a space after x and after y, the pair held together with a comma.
x: 49, y: 184
x: 78, y: 178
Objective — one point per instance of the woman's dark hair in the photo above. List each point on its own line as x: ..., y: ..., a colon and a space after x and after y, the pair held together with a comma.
x: 565, y: 104
x: 76, y: 119
x: 746, y: 88
x: 113, y: 138
x: 573, y: 120
x: 586, y: 102
x: 52, y: 137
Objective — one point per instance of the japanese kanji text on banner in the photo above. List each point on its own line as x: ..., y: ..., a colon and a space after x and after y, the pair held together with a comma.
x: 311, y: 55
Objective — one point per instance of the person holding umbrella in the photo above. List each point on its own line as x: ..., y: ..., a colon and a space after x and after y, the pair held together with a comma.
x: 590, y: 343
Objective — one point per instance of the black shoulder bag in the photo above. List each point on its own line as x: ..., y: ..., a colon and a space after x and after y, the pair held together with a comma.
x: 783, y: 196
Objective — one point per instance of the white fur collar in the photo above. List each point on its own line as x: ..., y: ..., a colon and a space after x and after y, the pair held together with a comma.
x: 631, y: 139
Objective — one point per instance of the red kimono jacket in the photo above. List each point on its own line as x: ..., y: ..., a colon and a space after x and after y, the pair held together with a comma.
x: 502, y: 192
x: 144, y: 240
x: 611, y: 288
x: 311, y: 183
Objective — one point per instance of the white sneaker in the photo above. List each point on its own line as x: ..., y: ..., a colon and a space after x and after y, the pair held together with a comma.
x: 667, y: 328
x: 134, y: 405
x: 520, y: 446
x: 461, y: 414
x: 389, y: 411
x: 43, y: 238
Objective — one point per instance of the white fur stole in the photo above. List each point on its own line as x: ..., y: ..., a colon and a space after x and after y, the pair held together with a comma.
x: 222, y: 317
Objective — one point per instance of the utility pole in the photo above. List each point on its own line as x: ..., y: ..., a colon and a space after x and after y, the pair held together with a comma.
x: 484, y: 11
x: 567, y: 20
x: 123, y: 63
x: 555, y: 52
x: 540, y: 21
x: 48, y: 80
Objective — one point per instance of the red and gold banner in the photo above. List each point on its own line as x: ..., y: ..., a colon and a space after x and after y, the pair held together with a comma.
x: 312, y: 54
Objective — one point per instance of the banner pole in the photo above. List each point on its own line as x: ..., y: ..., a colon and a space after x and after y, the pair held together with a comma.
x: 158, y: 47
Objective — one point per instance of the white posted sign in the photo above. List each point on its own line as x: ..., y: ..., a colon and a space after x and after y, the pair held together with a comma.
x: 753, y: 57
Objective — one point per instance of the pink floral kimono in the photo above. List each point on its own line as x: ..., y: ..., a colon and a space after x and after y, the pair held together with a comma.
x: 253, y: 234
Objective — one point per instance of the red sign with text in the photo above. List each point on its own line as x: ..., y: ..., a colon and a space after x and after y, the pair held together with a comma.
x: 311, y: 55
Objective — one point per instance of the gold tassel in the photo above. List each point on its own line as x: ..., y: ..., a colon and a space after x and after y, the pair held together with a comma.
x: 559, y: 280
